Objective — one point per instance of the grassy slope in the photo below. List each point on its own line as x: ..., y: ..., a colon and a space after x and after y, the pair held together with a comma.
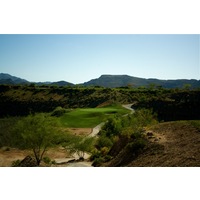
x: 90, y: 117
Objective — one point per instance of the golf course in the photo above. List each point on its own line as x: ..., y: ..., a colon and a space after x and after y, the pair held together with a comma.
x: 91, y: 117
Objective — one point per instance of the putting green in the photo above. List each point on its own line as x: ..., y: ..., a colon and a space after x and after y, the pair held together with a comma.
x: 90, y: 117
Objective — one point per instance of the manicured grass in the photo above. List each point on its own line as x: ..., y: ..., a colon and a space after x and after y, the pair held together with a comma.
x: 90, y: 117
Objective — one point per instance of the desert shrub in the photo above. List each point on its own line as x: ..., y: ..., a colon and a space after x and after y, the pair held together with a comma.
x: 16, y: 163
x: 107, y: 158
x: 95, y: 154
x: 53, y: 162
x: 104, y: 150
x: 137, y: 145
x: 47, y: 160
x: 7, y: 138
x: 112, y: 126
x: 5, y: 148
x: 58, y: 112
x: 104, y: 141
x: 98, y: 161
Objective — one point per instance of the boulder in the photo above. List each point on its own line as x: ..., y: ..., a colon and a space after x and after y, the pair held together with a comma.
x: 28, y: 161
x: 150, y: 133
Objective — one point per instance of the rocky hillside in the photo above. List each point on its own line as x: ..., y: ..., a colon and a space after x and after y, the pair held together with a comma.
x: 171, y: 144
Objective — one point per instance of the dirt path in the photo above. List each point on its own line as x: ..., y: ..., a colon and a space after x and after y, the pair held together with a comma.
x: 96, y: 129
x: 128, y: 106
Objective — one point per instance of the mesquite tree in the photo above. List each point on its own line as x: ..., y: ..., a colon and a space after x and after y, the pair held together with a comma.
x: 38, y: 132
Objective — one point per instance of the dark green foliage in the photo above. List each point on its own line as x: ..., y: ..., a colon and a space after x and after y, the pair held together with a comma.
x: 95, y: 154
x: 37, y: 132
x: 47, y: 160
x: 104, y: 141
x: 58, y: 112
x: 112, y: 127
x: 169, y: 104
x: 123, y: 134
x: 98, y: 161
x: 173, y: 105
x: 7, y: 137
x: 16, y: 163
x: 137, y: 145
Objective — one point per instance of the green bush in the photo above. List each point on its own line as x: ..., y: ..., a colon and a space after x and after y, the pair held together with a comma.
x: 47, y: 160
x: 15, y: 163
x: 95, y: 154
x: 104, y: 151
x: 137, y: 145
x: 58, y: 112
x: 107, y: 158
x: 53, y: 162
x: 98, y: 161
x: 104, y: 141
x: 113, y: 126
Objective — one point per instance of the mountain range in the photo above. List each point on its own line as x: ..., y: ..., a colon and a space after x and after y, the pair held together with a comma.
x: 110, y: 81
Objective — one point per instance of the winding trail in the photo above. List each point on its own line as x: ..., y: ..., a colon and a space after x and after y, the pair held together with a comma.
x: 96, y: 129
x: 129, y: 107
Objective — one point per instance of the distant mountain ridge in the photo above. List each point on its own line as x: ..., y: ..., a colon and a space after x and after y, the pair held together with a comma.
x: 110, y: 81
x: 125, y: 80
x: 13, y: 80
x: 8, y: 79
x: 58, y: 83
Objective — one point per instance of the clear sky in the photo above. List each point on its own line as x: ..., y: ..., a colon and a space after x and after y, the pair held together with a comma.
x: 80, y: 58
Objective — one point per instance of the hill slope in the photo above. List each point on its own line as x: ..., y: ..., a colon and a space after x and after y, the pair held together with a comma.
x: 171, y: 144
x: 13, y: 80
x: 8, y: 79
x: 125, y: 80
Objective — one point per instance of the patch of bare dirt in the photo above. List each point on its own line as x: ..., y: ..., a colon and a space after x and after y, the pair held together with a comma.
x: 171, y: 144
x: 80, y: 131
x: 106, y: 103
x: 8, y: 155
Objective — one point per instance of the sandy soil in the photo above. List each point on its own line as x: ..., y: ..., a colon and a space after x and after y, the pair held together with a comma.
x: 80, y: 131
x: 12, y: 154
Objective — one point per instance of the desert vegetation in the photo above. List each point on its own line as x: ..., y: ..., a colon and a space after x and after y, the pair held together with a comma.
x: 38, y: 118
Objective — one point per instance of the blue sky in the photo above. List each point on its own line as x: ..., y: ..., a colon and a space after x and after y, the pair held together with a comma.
x: 80, y: 58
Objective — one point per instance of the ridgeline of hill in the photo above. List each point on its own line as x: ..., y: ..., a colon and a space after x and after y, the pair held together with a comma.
x: 113, y: 81
x: 110, y: 81
x: 13, y: 80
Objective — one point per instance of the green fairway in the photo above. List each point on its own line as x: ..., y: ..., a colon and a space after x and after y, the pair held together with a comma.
x: 90, y: 117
